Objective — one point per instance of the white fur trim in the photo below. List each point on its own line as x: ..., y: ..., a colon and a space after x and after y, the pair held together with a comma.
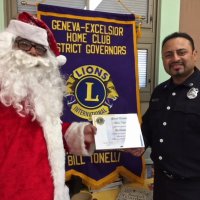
x: 28, y: 31
x: 74, y: 137
x: 61, y: 60
x: 53, y: 137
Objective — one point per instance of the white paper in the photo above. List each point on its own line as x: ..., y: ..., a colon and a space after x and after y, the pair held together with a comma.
x: 117, y: 131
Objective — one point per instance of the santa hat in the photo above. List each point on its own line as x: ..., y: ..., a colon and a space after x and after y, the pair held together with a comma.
x: 29, y: 27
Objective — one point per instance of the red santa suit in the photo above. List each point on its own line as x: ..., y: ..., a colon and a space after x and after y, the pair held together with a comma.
x: 31, y: 159
x: 32, y: 155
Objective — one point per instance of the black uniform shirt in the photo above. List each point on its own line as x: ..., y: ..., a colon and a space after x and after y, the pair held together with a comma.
x: 171, y: 126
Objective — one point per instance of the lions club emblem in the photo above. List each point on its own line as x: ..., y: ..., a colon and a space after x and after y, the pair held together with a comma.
x: 90, y: 91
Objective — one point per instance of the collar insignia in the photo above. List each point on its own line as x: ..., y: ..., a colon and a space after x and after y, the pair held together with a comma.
x: 192, y: 93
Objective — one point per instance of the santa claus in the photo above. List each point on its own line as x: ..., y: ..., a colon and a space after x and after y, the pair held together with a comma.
x: 32, y: 158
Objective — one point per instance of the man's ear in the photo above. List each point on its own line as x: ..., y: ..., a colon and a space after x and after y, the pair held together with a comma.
x: 195, y: 55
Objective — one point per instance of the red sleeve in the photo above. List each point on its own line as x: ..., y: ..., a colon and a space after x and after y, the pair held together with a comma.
x: 65, y: 126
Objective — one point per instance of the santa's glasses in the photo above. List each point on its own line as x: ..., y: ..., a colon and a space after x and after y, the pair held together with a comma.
x: 26, y: 45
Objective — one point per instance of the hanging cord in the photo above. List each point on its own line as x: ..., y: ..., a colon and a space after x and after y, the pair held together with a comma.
x: 139, y: 20
x: 125, y: 7
x: 138, y: 26
x: 25, y: 3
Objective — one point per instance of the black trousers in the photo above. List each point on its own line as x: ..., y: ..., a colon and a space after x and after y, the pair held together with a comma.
x: 166, y: 188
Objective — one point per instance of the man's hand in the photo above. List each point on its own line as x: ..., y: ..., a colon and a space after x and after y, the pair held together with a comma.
x: 89, y: 132
x: 136, y: 151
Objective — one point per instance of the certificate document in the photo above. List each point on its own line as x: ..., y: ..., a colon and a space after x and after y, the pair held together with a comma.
x: 117, y: 131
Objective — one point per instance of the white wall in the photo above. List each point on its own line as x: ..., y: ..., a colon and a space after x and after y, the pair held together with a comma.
x: 169, y: 23
x: 1, y: 15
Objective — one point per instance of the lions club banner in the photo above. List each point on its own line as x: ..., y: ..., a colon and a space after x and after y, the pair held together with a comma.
x: 101, y: 78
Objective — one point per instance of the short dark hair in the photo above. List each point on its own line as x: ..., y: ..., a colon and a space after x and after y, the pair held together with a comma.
x: 177, y: 35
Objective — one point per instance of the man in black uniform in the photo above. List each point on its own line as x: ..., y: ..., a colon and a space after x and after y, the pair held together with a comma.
x: 171, y: 125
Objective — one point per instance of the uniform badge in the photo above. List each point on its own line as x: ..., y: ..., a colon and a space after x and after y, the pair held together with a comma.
x: 192, y: 93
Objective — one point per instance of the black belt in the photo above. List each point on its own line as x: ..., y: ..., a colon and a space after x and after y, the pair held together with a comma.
x: 173, y: 176
x: 177, y: 177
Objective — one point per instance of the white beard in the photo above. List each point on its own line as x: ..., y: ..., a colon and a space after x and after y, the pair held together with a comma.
x: 32, y: 85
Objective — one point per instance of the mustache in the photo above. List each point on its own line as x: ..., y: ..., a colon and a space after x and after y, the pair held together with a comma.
x: 22, y: 59
x: 176, y: 63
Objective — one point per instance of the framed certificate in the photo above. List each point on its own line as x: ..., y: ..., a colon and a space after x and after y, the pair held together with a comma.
x: 117, y: 131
